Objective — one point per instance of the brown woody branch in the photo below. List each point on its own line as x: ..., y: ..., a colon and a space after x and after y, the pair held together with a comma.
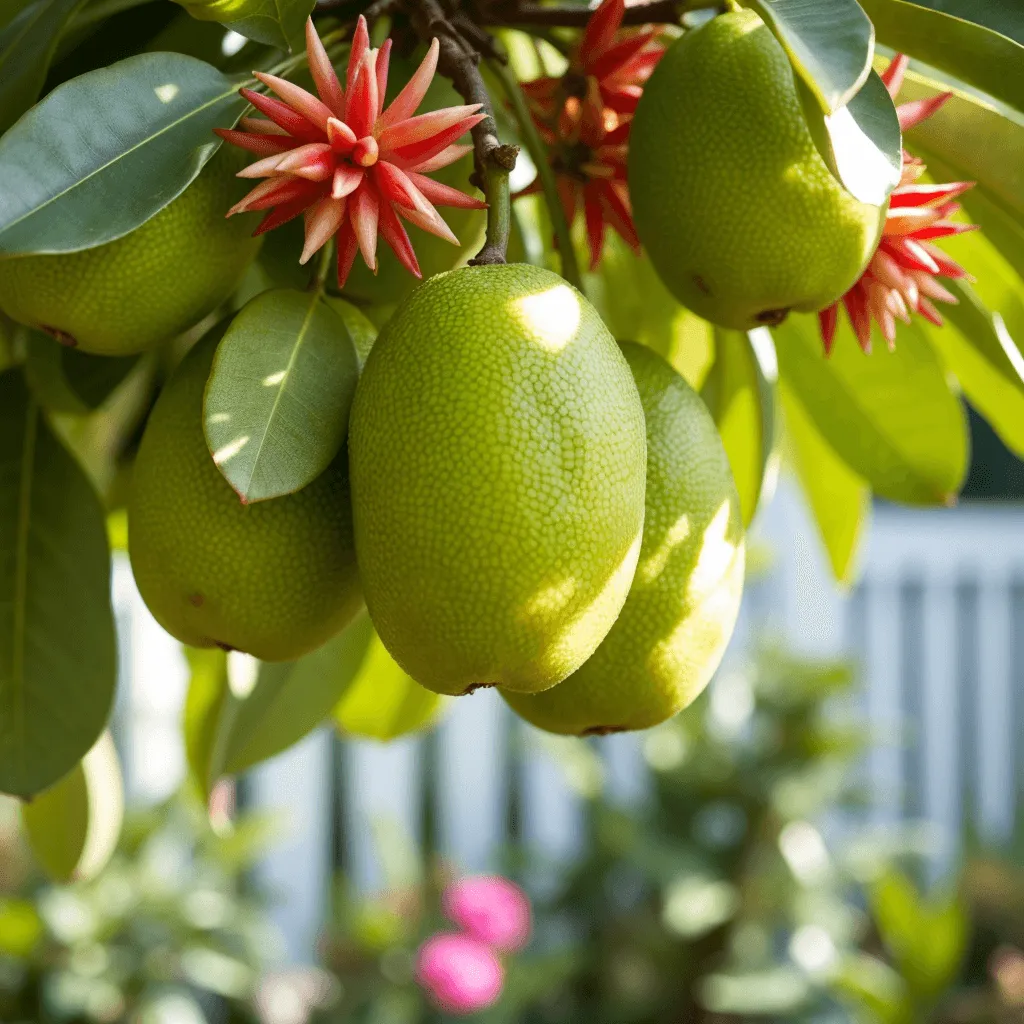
x: 640, y: 12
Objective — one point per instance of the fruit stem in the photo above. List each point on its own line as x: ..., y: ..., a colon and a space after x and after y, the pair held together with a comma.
x: 539, y: 155
x: 461, y: 43
x: 318, y: 282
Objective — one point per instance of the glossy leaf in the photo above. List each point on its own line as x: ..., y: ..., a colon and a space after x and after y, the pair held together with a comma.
x: 861, y: 142
x: 890, y: 415
x: 976, y: 55
x: 290, y: 700
x: 27, y: 46
x: 968, y: 139
x: 360, y: 328
x: 207, y: 693
x: 66, y: 380
x: 106, y: 151
x: 829, y: 42
x: 277, y: 23
x: 839, y: 499
x: 739, y: 392
x: 73, y: 827
x: 1003, y: 16
x: 382, y: 702
x: 58, y: 660
x: 279, y: 394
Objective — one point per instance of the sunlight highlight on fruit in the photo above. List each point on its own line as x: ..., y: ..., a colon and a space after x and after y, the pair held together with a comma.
x: 551, y: 316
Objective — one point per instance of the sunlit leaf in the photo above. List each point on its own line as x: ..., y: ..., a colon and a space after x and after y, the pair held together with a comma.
x: 739, y: 391
x: 277, y: 402
x: 73, y: 826
x: 839, y: 499
x: 58, y: 660
x: 890, y: 415
x: 830, y: 43
x: 27, y: 45
x: 976, y: 55
x: 382, y: 702
x: 277, y: 23
x: 290, y: 700
x: 204, y: 703
x: 106, y: 151
x: 20, y: 927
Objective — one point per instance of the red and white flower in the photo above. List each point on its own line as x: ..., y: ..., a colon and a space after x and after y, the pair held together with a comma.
x: 901, y: 277
x: 583, y: 117
x: 352, y: 167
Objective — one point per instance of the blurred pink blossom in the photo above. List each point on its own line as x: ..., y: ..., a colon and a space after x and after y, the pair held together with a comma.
x: 491, y: 909
x: 461, y: 973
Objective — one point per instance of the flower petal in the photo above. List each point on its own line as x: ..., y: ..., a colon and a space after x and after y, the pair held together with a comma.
x: 892, y: 76
x: 261, y: 145
x: 261, y: 126
x: 916, y: 111
x: 265, y: 168
x: 314, y: 162
x: 594, y: 221
x: 828, y: 320
x: 440, y: 194
x: 415, y: 154
x: 322, y: 222
x: 274, y: 191
x: 383, y: 60
x: 361, y: 103
x: 424, y: 126
x: 346, y: 180
x: 346, y: 246
x: 447, y: 156
x: 312, y: 109
x: 364, y: 211
x: 340, y: 136
x: 601, y: 29
x: 396, y: 236
x: 280, y: 113
x: 408, y: 100
x: 281, y: 215
x: 616, y: 56
x: 324, y: 76
x: 360, y: 45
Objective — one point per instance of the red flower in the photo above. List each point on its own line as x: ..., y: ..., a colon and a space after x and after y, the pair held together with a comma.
x: 352, y: 167
x: 583, y: 117
x: 901, y: 277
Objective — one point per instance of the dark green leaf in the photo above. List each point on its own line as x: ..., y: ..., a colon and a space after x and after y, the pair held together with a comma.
x: 360, y: 329
x: 73, y: 826
x: 1004, y: 16
x: 278, y: 398
x: 66, y: 380
x: 290, y: 700
x: 382, y: 702
x: 830, y: 43
x: 277, y: 23
x: 207, y: 693
x: 58, y: 660
x: 861, y: 143
x: 974, y: 54
x: 739, y: 391
x: 27, y: 45
x: 839, y: 499
x: 890, y: 415
x: 106, y: 151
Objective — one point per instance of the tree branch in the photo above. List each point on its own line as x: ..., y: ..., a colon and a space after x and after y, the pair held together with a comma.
x: 639, y: 12
x: 459, y: 60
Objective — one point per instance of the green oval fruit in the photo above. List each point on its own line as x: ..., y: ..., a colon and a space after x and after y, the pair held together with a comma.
x: 682, y: 606
x: 274, y: 579
x: 152, y: 284
x: 498, y: 459
x: 740, y: 215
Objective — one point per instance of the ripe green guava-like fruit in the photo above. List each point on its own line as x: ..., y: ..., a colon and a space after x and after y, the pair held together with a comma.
x: 497, y: 464
x: 275, y: 578
x: 740, y: 215
x: 160, y: 279
x: 682, y: 606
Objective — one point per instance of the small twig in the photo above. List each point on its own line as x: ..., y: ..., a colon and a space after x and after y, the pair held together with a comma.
x: 539, y: 155
x: 640, y: 12
x: 318, y: 282
x: 494, y: 160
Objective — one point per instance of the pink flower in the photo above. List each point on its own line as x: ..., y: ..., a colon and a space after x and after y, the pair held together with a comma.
x: 491, y: 909
x: 461, y: 974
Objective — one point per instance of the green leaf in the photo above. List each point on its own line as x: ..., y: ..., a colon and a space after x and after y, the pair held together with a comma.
x: 27, y: 45
x: 279, y: 23
x: 739, y: 391
x: 830, y: 44
x: 66, y: 380
x: 290, y: 700
x: 890, y: 415
x: 871, y: 984
x: 974, y: 54
x: 106, y: 151
x: 839, y: 499
x: 207, y: 693
x: 20, y: 927
x: 860, y: 143
x: 382, y: 702
x: 73, y: 827
x: 968, y: 139
x: 58, y: 658
x: 360, y: 328
x: 277, y: 402
x: 1003, y: 16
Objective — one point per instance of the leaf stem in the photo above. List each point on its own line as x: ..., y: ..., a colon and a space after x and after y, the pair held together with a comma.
x: 539, y: 155
x: 460, y: 43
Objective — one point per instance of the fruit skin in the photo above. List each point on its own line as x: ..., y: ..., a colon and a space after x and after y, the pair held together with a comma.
x: 682, y: 606
x: 155, y: 282
x: 274, y: 579
x: 497, y: 463
x: 739, y: 213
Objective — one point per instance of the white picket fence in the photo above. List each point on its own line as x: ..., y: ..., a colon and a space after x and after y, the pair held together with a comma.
x: 937, y: 624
